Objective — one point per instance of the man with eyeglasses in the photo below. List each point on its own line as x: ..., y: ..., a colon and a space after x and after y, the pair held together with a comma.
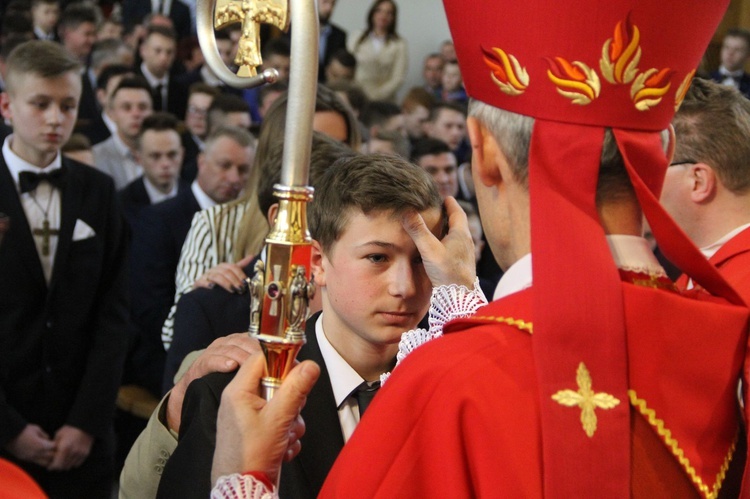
x: 200, y: 97
x: 707, y: 186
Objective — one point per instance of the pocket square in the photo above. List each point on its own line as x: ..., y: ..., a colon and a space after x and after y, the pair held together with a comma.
x: 82, y: 231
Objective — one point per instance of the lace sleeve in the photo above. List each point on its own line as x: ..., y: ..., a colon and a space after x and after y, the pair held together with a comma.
x: 236, y: 486
x: 447, y: 303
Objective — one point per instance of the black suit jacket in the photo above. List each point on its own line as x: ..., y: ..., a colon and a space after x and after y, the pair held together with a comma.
x: 134, y: 198
x: 176, y: 93
x: 744, y: 82
x: 188, y: 472
x: 96, y: 129
x: 190, y: 162
x: 62, y: 346
x: 133, y: 12
x: 158, y: 235
x: 88, y: 106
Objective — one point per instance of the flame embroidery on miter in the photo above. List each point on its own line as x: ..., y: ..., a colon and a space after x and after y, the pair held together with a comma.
x: 507, y: 72
x: 621, y: 54
x: 576, y: 81
x: 682, y: 90
x: 649, y: 88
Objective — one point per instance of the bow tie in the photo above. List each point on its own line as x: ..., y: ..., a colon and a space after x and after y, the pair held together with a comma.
x: 30, y: 180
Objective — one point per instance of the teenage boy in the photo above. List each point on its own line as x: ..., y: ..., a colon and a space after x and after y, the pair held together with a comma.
x: 373, y: 288
x: 44, y: 16
x: 62, y: 286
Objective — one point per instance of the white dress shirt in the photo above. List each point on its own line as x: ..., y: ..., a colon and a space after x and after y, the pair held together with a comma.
x: 45, y: 198
x: 344, y: 380
x: 204, y: 201
x: 157, y: 196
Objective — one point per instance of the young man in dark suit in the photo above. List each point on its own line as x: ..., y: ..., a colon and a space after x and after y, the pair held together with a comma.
x: 62, y: 286
x: 158, y: 51
x: 735, y: 52
x: 373, y: 288
x: 160, y: 153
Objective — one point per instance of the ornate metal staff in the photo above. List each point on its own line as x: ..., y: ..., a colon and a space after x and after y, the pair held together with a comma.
x: 281, y: 289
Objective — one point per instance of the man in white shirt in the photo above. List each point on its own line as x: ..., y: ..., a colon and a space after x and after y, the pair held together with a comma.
x: 129, y: 105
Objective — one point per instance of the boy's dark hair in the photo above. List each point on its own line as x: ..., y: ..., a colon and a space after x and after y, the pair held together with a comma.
x: 16, y: 23
x: 41, y: 58
x: 378, y: 112
x: 158, y: 122
x: 12, y: 41
x: 110, y: 72
x: 345, y: 58
x: 203, y: 88
x: 134, y: 82
x: 106, y: 51
x: 76, y: 14
x: 428, y: 147
x: 325, y: 152
x: 435, y: 111
x: 278, y: 46
x: 222, y: 105
x: 374, y: 183
x: 76, y: 142
x: 157, y: 29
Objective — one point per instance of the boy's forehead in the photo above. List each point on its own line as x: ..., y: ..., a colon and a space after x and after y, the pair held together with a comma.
x: 29, y: 83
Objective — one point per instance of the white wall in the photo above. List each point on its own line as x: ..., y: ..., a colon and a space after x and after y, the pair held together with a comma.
x: 421, y: 22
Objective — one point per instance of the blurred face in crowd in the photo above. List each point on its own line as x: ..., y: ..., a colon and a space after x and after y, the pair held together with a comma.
x: 449, y: 126
x: 444, y: 171
x: 160, y: 153
x: 415, y: 120
x: 335, y: 72
x: 734, y: 53
x: 226, y: 51
x: 451, y: 77
x: 280, y: 63
x: 129, y: 108
x: 79, y: 40
x: 448, y: 51
x: 223, y: 168
x: 433, y: 71
x: 45, y: 16
x: 383, y: 17
x: 197, y: 110
x: 109, y: 31
x: 325, y: 8
x: 158, y: 52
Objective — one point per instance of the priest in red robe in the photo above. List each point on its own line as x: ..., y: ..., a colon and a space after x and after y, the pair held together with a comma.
x: 590, y: 374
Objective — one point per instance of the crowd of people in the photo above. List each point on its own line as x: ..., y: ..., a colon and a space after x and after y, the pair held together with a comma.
x: 136, y: 192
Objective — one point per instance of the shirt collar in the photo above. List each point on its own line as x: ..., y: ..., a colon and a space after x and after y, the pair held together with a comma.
x: 711, y: 249
x: 629, y: 253
x: 204, y: 201
x: 122, y: 148
x: 111, y: 125
x: 152, y: 80
x: 155, y: 195
x: 43, y: 35
x: 344, y: 379
x: 16, y: 164
x: 733, y: 74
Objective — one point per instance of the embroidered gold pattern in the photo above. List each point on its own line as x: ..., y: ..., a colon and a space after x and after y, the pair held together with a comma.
x: 682, y: 90
x: 507, y: 73
x: 621, y: 54
x: 576, y: 80
x: 674, y: 446
x: 517, y: 323
x: 649, y: 88
x: 586, y: 399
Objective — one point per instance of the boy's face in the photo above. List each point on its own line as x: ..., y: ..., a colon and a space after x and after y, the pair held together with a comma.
x: 79, y: 40
x: 45, y: 15
x: 160, y: 154
x: 130, y: 106
x: 374, y: 286
x: 449, y: 126
x: 43, y: 112
x: 158, y: 53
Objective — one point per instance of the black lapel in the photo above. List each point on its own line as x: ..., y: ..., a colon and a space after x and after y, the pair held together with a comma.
x: 323, y: 439
x: 19, y: 238
x: 70, y: 207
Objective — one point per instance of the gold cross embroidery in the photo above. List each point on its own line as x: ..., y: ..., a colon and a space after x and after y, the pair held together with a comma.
x: 251, y: 13
x: 586, y: 399
x: 45, y: 232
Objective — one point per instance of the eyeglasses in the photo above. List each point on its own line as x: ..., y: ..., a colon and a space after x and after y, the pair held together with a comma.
x: 683, y: 162
x: 197, y: 111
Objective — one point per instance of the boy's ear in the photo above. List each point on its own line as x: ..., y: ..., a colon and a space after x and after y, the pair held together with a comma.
x: 703, y: 182
x: 273, y: 210
x: 316, y: 264
x: 5, y: 105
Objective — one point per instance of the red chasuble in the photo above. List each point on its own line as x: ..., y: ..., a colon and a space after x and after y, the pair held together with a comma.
x: 460, y: 417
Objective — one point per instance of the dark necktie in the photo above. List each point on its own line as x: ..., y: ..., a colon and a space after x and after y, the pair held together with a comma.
x: 30, y: 180
x: 158, y: 99
x: 364, y: 395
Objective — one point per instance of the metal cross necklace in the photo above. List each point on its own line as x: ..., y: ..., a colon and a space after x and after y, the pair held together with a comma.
x: 45, y: 231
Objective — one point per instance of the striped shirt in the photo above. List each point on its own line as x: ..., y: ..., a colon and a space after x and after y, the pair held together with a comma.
x: 209, y: 242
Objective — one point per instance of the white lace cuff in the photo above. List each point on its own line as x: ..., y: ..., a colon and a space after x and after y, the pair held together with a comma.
x: 236, y: 486
x: 447, y: 303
